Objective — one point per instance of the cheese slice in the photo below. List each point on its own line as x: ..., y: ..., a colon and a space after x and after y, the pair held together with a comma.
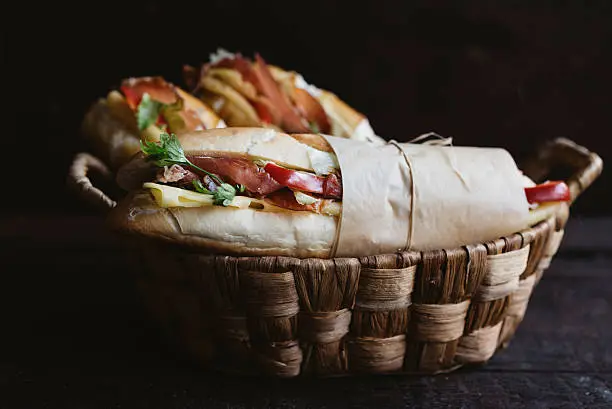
x: 170, y: 196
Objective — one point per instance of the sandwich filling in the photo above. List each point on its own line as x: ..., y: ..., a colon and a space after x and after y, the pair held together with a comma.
x: 151, y: 105
x: 231, y: 179
x: 231, y: 82
x: 224, y: 179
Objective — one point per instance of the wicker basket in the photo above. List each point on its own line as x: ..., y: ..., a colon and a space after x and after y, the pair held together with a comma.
x: 411, y: 312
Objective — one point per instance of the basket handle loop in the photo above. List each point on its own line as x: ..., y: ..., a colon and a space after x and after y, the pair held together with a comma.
x: 79, y: 181
x: 586, y: 165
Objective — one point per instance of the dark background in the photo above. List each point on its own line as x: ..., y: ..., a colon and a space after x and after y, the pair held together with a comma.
x: 511, y: 74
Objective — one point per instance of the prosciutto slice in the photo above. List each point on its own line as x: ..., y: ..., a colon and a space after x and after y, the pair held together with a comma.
x: 311, y: 110
x: 238, y: 171
x: 295, y: 113
x: 290, y: 119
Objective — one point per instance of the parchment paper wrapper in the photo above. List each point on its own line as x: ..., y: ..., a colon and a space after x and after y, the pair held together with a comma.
x: 420, y: 197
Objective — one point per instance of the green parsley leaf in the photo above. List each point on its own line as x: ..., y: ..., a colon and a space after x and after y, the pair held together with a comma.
x: 224, y: 194
x: 170, y: 152
x: 152, y: 149
x: 165, y: 153
x: 199, y: 187
x: 148, y: 111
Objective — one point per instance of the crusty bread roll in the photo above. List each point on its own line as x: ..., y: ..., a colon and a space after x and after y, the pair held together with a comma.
x: 387, y: 205
x: 112, y: 140
x: 236, y: 99
x: 206, y: 114
x: 224, y: 230
x: 257, y: 143
x: 221, y: 229
x: 252, y: 141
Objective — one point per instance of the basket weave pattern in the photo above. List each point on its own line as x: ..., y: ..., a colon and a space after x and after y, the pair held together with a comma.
x: 412, y: 312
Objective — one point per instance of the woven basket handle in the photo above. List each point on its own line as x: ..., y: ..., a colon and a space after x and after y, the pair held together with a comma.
x: 79, y: 181
x: 586, y: 165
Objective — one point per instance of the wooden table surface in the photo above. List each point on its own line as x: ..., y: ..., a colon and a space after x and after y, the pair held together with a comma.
x: 72, y: 336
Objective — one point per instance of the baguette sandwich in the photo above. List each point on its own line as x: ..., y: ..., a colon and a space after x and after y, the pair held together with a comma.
x: 257, y: 192
x: 252, y: 93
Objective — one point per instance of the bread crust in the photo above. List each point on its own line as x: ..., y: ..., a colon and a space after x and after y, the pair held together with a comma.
x: 207, y: 115
x: 255, y: 142
x: 225, y: 230
x: 246, y: 114
x: 258, y: 143
x: 134, y: 173
x: 110, y: 139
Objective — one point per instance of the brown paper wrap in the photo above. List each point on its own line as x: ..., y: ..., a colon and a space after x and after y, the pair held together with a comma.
x: 422, y: 197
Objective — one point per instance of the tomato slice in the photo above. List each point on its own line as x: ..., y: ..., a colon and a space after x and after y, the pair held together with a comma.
x: 157, y: 88
x: 328, y: 186
x: 554, y: 191
x: 303, y: 181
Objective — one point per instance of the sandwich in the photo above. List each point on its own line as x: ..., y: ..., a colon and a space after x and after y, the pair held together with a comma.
x: 257, y: 192
x: 250, y: 191
x: 140, y: 109
x: 252, y: 93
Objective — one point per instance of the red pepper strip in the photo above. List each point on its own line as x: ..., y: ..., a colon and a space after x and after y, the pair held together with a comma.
x: 555, y: 191
x: 305, y: 182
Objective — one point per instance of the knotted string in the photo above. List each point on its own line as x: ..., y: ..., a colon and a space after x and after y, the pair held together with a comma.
x: 441, y: 141
x: 421, y: 139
